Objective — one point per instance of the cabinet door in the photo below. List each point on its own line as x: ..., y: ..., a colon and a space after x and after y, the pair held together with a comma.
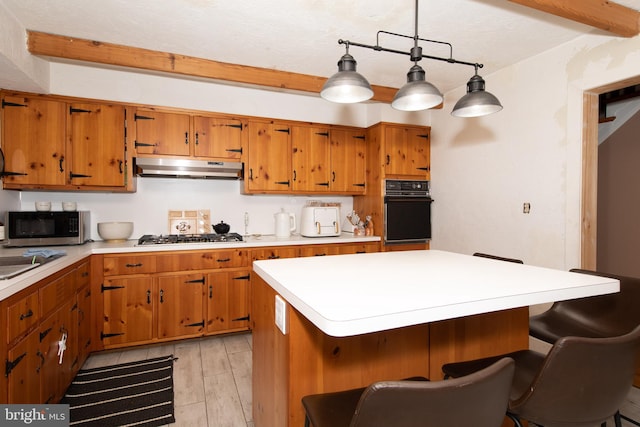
x: 310, y: 147
x: 407, y: 151
x: 180, y: 305
x: 348, y: 161
x: 228, y: 301
x: 33, y: 141
x: 276, y: 252
x: 161, y: 133
x: 218, y: 138
x: 127, y: 310
x: 269, y: 158
x: 84, y: 324
x: 23, y: 378
x: 52, y: 373
x: 97, y: 139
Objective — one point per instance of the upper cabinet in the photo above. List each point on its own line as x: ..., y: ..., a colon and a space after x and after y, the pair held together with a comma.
x: 404, y: 150
x: 55, y: 144
x: 304, y: 159
x: 168, y: 133
x: 267, y: 164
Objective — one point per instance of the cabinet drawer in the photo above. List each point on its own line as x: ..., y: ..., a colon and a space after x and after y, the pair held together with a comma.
x: 274, y: 253
x: 205, y: 260
x: 83, y: 275
x: 129, y: 264
x: 22, y: 315
x: 56, y: 293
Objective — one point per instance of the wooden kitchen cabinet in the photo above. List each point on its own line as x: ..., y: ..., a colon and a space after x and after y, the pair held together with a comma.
x: 275, y: 252
x: 159, y: 132
x: 22, y: 370
x: 59, y: 143
x: 268, y: 158
x: 228, y: 302
x: 185, y: 134
x: 33, y: 141
x: 97, y: 139
x: 35, y: 319
x: 219, y: 138
x: 154, y: 297
x: 127, y: 310
x: 348, y: 161
x: 181, y: 305
x: 339, y: 249
x: 406, y: 151
x: 311, y: 159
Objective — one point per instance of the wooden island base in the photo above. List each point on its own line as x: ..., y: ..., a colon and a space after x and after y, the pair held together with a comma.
x: 304, y: 361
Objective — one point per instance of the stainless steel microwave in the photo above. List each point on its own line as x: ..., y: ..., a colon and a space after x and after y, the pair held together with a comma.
x: 47, y: 228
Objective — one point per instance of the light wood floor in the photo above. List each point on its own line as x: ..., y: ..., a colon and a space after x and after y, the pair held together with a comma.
x: 212, y: 380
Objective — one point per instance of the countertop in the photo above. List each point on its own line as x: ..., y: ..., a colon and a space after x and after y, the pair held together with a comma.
x: 76, y: 253
x: 349, y: 295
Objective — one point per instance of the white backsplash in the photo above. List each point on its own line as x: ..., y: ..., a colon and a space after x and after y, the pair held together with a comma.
x: 148, y: 208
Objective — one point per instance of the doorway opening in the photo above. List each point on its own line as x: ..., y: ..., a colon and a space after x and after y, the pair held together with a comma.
x: 593, y: 114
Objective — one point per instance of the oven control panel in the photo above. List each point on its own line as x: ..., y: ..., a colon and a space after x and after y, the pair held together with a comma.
x: 399, y: 187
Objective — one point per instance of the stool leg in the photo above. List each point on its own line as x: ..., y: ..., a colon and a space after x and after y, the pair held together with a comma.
x: 306, y: 421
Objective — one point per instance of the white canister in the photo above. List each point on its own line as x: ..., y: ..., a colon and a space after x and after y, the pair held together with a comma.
x: 285, y: 224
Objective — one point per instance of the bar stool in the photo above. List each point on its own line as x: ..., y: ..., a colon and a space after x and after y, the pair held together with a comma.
x: 479, y: 399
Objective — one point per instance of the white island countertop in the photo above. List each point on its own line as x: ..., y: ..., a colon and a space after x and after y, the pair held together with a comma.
x: 346, y: 295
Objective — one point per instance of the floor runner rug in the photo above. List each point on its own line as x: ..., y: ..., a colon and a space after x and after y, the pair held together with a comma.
x: 130, y: 394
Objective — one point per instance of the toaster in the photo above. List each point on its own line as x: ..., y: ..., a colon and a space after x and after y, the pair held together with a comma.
x: 320, y: 221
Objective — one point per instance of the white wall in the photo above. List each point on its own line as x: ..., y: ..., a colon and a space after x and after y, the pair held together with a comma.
x: 484, y: 169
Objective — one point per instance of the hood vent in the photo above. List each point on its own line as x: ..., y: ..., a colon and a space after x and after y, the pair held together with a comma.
x: 187, y: 168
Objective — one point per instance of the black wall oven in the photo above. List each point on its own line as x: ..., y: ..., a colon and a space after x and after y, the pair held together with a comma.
x: 407, y: 211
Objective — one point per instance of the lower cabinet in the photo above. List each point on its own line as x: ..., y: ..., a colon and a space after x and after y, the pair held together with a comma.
x: 181, y: 305
x: 37, y: 320
x: 228, y: 300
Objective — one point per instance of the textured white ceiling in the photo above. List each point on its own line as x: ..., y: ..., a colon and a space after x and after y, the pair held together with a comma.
x: 301, y: 35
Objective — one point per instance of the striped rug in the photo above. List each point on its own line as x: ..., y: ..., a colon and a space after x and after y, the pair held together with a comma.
x: 130, y: 394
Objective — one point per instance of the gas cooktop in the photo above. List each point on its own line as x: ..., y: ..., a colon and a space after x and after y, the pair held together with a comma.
x: 152, y: 239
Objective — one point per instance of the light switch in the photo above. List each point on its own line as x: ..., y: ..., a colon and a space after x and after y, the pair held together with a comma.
x: 281, y: 314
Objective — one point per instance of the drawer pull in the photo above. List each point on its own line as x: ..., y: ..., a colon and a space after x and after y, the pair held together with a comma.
x: 26, y: 315
x: 139, y: 264
x: 224, y: 260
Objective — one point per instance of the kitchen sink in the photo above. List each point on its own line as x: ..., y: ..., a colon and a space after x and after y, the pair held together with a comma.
x: 11, y: 266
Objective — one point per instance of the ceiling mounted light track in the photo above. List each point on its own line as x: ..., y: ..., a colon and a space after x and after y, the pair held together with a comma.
x: 348, y: 86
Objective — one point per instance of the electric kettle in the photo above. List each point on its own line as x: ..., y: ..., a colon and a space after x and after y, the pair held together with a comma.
x: 285, y: 224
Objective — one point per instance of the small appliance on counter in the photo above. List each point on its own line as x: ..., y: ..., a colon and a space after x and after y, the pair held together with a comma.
x: 285, y: 224
x: 40, y: 228
x: 320, y: 221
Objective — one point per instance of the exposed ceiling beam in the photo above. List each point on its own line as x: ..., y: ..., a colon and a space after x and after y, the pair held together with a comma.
x: 76, y: 49
x: 602, y: 14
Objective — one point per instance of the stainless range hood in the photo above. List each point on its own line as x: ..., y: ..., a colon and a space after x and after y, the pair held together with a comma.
x: 187, y: 168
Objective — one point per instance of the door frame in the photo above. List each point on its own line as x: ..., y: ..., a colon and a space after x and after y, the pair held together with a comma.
x: 589, y: 207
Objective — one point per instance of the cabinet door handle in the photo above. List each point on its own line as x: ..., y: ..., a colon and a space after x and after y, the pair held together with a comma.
x: 42, y: 360
x: 161, y: 296
x: 60, y: 165
x: 120, y: 164
x: 210, y: 291
x: 334, y: 176
x: 186, y: 138
x: 26, y: 315
x: 148, y: 296
x: 197, y: 136
x: 388, y: 159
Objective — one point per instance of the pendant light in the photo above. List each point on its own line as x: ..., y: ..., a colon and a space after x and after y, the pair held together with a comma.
x: 348, y: 86
x: 477, y: 102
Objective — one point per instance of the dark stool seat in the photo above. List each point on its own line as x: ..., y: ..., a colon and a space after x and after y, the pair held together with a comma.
x: 580, y: 382
x: 483, y: 395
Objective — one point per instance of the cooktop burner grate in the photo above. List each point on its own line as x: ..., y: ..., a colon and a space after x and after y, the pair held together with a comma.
x: 152, y: 239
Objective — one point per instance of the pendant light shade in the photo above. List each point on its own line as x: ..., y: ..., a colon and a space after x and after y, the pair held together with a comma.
x: 477, y: 102
x: 417, y: 94
x: 346, y: 86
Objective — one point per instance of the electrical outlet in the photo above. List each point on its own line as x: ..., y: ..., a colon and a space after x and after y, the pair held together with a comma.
x: 281, y: 314
x: 526, y: 208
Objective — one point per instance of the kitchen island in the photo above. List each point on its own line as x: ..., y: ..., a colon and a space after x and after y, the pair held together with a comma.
x: 338, y: 322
